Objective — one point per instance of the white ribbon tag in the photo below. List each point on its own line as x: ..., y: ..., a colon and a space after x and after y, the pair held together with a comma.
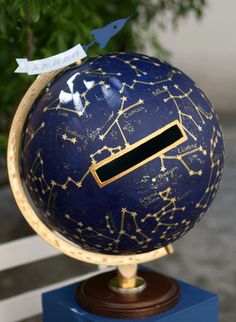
x: 61, y: 60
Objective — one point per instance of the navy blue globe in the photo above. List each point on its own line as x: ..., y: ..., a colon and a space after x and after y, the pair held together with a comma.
x: 122, y: 154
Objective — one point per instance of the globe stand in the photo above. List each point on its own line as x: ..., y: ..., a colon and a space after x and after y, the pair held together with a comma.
x: 126, y: 295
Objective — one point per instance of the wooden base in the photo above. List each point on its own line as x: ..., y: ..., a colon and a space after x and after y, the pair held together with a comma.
x: 160, y: 294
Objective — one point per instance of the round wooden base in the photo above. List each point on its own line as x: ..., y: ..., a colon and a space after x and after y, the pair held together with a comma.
x: 160, y: 294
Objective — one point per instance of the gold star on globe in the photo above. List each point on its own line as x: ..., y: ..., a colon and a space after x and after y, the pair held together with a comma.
x: 101, y: 137
x: 74, y: 140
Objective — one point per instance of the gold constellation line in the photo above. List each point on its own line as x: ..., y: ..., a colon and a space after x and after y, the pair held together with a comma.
x: 180, y: 157
x: 213, y: 182
x: 101, y: 72
x: 83, y: 228
x: 120, y: 112
x: 199, y: 110
x: 144, y: 238
x: 82, y: 95
x: 121, y: 232
x: 110, y: 223
x: 111, y: 150
x: 185, y: 115
x: 59, y: 107
x: 66, y: 138
x: 152, y: 83
x: 169, y: 208
x: 32, y: 134
x: 137, y: 70
x: 45, y: 187
x: 171, y: 236
x: 166, y: 234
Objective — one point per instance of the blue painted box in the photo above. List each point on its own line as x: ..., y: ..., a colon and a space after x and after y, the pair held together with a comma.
x: 195, y: 305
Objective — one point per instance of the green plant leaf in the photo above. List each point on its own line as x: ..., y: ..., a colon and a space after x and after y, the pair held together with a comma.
x: 34, y: 6
x: 3, y: 24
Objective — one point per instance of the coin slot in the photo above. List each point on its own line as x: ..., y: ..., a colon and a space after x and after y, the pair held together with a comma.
x: 135, y: 155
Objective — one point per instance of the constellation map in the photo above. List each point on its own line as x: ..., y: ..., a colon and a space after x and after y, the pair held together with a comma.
x: 216, y: 169
x: 144, y: 89
x: 120, y: 113
x: 134, y: 231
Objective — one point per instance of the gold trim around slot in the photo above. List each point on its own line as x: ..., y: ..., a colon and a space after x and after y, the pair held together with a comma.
x: 93, y: 168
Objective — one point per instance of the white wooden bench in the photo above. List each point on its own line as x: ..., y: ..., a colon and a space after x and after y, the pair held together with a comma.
x: 25, y: 251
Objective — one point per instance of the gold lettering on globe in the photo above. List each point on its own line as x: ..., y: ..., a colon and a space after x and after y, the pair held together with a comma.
x: 134, y: 111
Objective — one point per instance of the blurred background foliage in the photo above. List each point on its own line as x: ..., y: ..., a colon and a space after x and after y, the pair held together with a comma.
x: 40, y: 28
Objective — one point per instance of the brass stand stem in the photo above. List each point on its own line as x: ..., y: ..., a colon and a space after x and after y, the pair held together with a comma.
x: 127, y: 275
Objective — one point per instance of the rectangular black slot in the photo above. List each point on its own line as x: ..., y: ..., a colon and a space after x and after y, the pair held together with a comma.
x: 139, y: 153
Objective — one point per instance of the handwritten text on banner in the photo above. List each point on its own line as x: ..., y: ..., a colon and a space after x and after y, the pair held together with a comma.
x: 61, y: 60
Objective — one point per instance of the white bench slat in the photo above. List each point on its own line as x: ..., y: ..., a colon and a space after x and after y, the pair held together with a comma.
x: 28, y: 304
x: 23, y: 251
